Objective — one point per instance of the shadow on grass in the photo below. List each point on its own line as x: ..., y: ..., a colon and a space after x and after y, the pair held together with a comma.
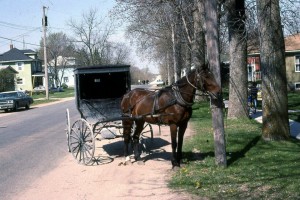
x: 234, y: 156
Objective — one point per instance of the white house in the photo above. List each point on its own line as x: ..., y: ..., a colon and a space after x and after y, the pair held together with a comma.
x: 68, y: 75
x: 65, y: 66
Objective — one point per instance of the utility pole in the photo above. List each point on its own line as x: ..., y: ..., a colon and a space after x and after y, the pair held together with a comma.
x: 45, y: 53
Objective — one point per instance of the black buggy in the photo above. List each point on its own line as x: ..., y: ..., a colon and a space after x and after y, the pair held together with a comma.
x: 98, y: 94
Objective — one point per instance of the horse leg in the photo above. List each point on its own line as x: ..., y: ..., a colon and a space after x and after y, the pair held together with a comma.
x: 181, y: 132
x: 127, y: 125
x: 173, y: 130
x: 136, y: 140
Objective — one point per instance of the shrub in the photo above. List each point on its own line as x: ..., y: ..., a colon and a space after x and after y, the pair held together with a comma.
x: 64, y: 86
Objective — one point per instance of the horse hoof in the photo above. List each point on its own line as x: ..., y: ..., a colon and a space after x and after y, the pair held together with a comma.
x: 140, y: 162
x: 128, y: 162
x: 175, y: 168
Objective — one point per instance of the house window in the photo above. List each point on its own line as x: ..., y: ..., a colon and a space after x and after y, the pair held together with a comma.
x: 19, y: 81
x: 20, y: 65
x: 297, y: 64
x: 257, y: 75
x: 297, y: 86
x: 66, y: 79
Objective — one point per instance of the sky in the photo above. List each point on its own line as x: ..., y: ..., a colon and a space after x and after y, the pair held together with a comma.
x: 21, y: 22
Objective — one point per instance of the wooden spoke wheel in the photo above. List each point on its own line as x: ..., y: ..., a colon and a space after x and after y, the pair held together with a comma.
x: 146, y: 138
x: 82, y: 141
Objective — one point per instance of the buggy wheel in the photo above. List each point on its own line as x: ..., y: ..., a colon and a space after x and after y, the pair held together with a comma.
x: 82, y: 141
x: 68, y: 128
x: 146, y: 138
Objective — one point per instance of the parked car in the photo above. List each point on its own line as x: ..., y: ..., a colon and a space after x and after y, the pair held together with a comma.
x: 42, y: 89
x: 13, y: 100
x: 39, y: 89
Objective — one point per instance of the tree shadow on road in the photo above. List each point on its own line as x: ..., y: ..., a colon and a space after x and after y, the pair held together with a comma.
x: 108, y: 152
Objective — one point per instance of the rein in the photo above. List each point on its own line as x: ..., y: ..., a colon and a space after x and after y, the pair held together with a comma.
x: 190, y: 82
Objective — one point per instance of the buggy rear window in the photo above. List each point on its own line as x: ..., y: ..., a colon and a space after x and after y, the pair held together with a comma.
x: 102, y: 85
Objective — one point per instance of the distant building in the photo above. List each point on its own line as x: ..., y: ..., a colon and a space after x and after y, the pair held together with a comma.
x: 292, y: 59
x: 65, y: 68
x: 27, y: 65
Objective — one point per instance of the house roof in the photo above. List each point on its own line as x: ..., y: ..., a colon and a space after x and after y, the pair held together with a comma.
x: 292, y: 42
x: 15, y: 54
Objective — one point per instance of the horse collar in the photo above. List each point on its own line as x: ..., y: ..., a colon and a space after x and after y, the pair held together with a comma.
x: 179, y: 98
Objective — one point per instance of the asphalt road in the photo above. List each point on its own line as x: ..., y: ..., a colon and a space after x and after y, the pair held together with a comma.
x: 32, y: 143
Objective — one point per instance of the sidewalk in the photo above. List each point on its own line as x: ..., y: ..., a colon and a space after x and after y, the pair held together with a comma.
x: 294, y: 126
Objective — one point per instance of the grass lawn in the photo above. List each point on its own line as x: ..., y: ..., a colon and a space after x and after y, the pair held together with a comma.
x: 41, y: 98
x: 256, y: 169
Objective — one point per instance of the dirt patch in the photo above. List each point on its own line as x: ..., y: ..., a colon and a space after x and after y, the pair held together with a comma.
x: 106, y: 179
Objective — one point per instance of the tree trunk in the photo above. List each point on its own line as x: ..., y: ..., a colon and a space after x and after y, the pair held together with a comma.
x: 188, y: 57
x: 176, y: 39
x: 274, y: 83
x: 198, y: 42
x: 170, y: 69
x: 237, y: 107
x: 214, y: 61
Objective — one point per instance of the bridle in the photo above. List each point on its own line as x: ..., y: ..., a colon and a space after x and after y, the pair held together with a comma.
x: 177, y: 92
x: 198, y: 78
x: 191, y: 83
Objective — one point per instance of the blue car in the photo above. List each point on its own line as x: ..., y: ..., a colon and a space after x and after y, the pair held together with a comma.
x: 13, y: 100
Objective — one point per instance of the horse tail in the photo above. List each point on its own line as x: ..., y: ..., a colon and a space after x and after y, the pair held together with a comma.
x: 125, y: 103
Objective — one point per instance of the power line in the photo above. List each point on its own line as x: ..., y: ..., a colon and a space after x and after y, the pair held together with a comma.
x: 20, y: 41
x: 16, y: 26
x: 18, y: 36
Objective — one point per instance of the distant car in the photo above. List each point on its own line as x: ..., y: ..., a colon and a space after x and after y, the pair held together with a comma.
x: 13, y: 100
x: 157, y: 83
x: 39, y: 89
x: 42, y: 89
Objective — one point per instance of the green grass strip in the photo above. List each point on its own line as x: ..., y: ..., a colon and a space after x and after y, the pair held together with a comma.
x: 256, y: 169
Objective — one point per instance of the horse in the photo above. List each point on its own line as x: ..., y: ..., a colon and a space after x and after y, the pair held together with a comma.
x: 170, y: 106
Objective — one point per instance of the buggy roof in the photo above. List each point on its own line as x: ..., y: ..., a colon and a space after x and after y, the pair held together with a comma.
x: 102, y: 69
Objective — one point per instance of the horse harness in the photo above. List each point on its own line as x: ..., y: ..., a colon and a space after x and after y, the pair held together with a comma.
x: 176, y: 99
x: 177, y: 96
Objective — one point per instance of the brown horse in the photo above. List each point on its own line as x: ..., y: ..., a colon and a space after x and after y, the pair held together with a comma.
x: 169, y: 106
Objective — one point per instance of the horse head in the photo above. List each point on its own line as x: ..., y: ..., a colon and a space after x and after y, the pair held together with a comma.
x: 206, y: 82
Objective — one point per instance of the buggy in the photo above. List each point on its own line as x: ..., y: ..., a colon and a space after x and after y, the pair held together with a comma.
x: 98, y: 94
